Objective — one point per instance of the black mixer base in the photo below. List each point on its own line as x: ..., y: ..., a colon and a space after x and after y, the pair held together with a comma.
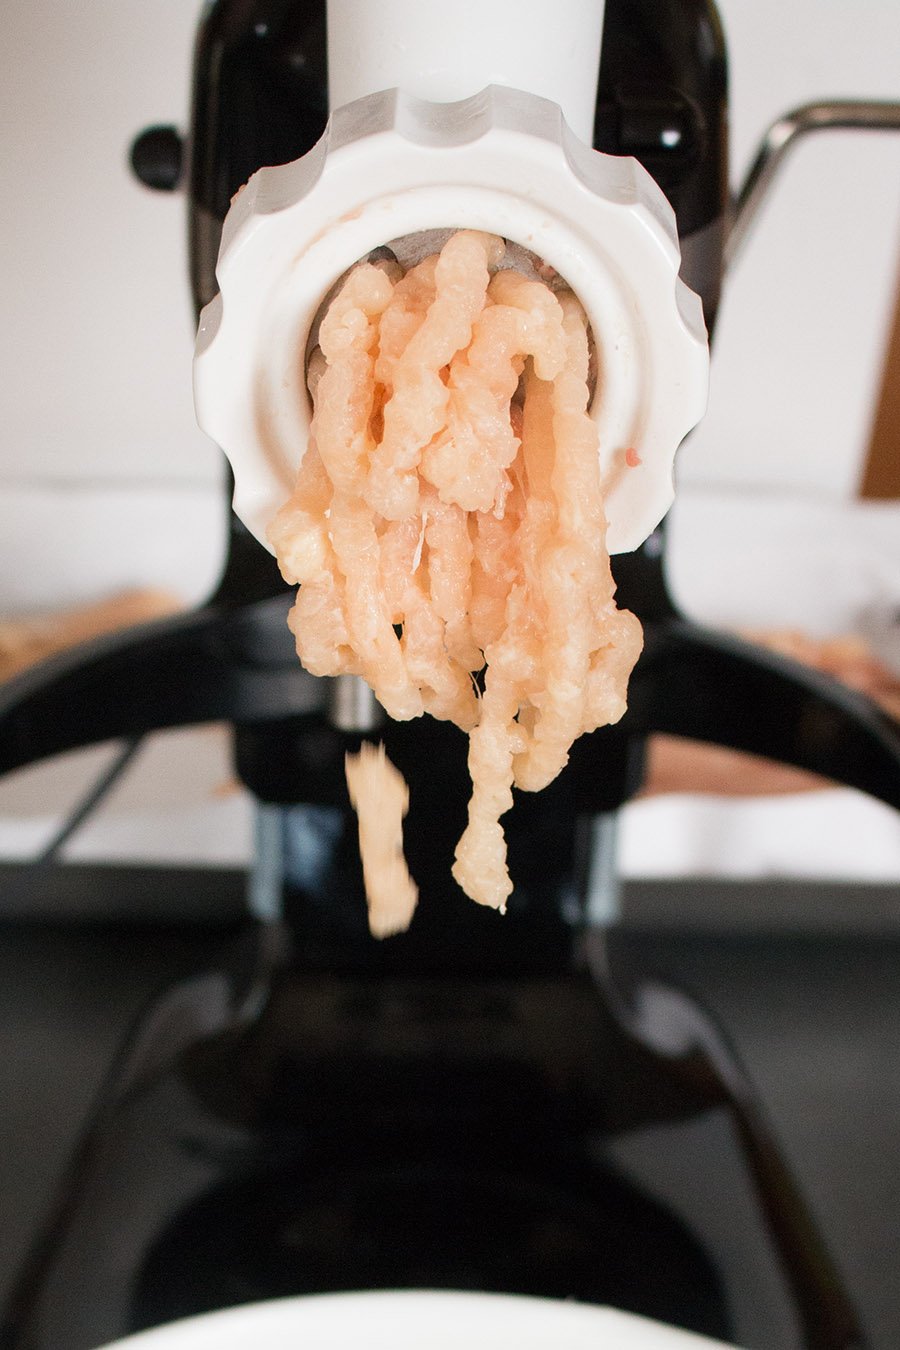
x: 434, y: 1228
x: 331, y: 1132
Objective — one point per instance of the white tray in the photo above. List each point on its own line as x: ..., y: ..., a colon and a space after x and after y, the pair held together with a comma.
x: 417, y: 1320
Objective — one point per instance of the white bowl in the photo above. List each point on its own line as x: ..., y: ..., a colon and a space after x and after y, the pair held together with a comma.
x: 416, y: 1320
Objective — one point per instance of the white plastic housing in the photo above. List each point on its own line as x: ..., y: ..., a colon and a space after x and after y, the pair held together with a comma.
x: 502, y: 161
x: 447, y: 52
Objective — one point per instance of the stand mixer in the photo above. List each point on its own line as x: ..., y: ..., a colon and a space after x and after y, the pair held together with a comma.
x: 333, y: 1113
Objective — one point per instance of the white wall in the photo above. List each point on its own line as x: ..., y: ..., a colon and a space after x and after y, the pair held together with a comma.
x: 104, y: 478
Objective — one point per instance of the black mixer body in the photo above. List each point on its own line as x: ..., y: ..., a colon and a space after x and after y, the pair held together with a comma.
x: 334, y: 1113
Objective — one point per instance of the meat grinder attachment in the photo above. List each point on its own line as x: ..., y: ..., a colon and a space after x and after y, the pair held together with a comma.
x: 505, y: 160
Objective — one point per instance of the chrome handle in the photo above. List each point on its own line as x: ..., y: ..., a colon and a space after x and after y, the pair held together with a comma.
x: 779, y: 140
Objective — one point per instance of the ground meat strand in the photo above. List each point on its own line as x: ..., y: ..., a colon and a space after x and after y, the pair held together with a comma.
x: 380, y: 798
x: 448, y: 519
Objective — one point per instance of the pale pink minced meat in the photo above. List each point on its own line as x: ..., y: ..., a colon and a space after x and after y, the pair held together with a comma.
x: 381, y: 799
x: 448, y: 519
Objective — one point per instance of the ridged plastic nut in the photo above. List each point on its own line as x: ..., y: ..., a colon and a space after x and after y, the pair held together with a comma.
x: 502, y: 161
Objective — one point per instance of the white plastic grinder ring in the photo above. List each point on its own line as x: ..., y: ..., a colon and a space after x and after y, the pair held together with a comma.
x: 391, y: 165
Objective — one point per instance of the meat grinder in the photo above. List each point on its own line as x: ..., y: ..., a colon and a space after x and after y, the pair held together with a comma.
x: 325, y: 1111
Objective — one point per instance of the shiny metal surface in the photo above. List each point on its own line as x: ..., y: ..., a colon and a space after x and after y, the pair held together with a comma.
x: 353, y: 706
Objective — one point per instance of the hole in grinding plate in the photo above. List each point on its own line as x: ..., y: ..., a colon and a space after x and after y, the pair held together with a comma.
x: 410, y: 249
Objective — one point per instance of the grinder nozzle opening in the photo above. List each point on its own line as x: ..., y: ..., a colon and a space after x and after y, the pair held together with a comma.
x: 407, y: 251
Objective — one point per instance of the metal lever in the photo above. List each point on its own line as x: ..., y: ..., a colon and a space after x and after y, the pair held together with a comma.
x: 780, y: 139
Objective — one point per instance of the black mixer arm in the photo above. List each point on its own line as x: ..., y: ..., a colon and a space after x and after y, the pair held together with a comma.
x: 679, y: 1059
x: 216, y: 664
x: 711, y: 686
x: 238, y: 665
